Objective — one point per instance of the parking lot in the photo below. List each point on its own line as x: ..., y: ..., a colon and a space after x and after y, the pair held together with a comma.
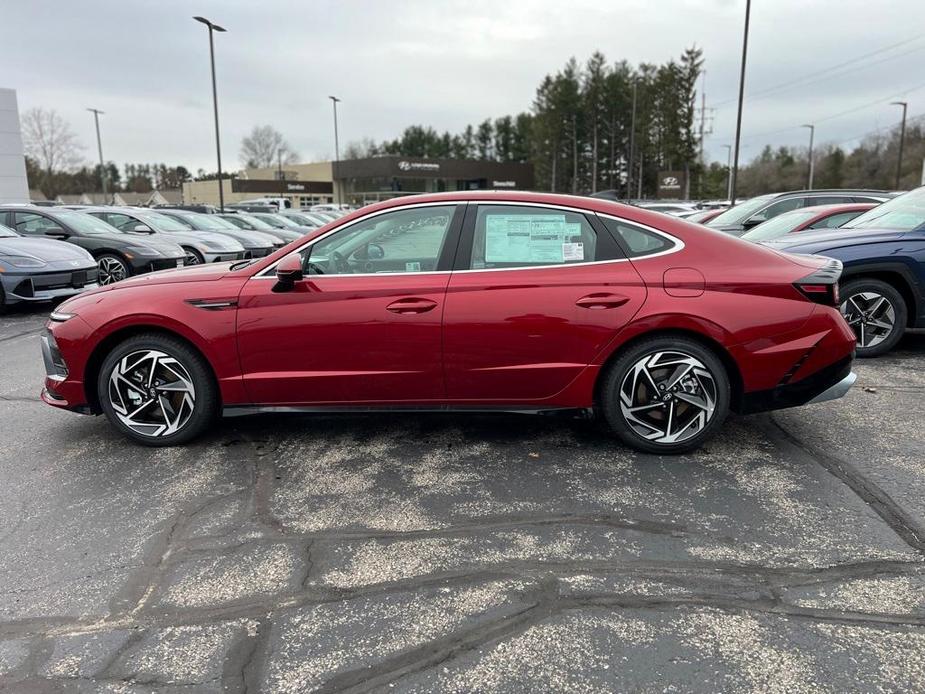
x: 477, y: 553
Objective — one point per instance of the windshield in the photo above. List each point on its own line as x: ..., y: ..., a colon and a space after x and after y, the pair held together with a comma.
x: 741, y: 212
x: 300, y: 219
x: 209, y: 222
x: 255, y: 222
x: 276, y: 221
x: 161, y: 222
x: 6, y: 232
x: 778, y: 226
x: 903, y: 213
x: 85, y: 223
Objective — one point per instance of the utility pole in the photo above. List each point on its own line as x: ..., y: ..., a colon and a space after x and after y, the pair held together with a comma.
x: 902, y: 138
x: 735, y: 163
x: 218, y: 147
x: 728, y: 171
x: 574, y: 154
x: 812, y: 134
x: 99, y: 145
x: 334, y: 101
x: 629, y: 166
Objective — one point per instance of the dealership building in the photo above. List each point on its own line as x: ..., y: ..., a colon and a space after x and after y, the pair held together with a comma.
x: 362, y: 181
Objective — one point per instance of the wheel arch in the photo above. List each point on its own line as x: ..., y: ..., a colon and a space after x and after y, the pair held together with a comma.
x: 732, y: 368
x: 897, y: 275
x: 109, y: 342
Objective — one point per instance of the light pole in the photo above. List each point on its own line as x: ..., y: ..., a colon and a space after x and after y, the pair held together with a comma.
x: 99, y: 145
x: 735, y: 163
x: 728, y: 171
x: 218, y: 147
x: 812, y: 133
x: 902, y: 138
x: 629, y: 168
x: 334, y: 101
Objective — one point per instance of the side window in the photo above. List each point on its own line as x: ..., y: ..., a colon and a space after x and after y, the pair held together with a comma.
x: 33, y: 224
x: 779, y: 208
x: 508, y: 236
x: 402, y: 241
x: 829, y: 200
x: 638, y: 241
x: 834, y: 221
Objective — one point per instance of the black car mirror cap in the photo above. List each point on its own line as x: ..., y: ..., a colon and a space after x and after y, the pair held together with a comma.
x: 754, y: 221
x: 57, y: 232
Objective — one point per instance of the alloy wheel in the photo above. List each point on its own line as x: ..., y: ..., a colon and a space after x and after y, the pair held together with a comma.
x: 191, y: 258
x: 871, y: 315
x: 668, y: 397
x: 152, y: 393
x: 111, y: 270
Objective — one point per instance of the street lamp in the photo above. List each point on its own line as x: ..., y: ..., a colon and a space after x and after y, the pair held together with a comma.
x: 334, y: 101
x: 902, y: 137
x: 728, y: 171
x: 218, y: 147
x: 99, y: 145
x: 735, y: 164
x: 812, y: 133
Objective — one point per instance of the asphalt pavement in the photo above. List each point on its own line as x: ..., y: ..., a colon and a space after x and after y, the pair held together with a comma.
x: 417, y: 553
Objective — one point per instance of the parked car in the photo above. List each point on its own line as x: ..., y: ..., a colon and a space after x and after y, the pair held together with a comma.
x: 883, y: 284
x: 536, y: 303
x: 754, y: 211
x: 277, y: 221
x: 201, y: 209
x: 306, y: 219
x: 256, y: 244
x: 278, y: 203
x: 248, y: 222
x: 704, y: 216
x: 816, y: 217
x: 33, y: 270
x: 673, y: 208
x: 117, y: 255
x: 199, y: 246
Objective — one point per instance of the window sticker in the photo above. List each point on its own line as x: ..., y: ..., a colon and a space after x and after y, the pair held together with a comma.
x: 413, y: 267
x: 518, y: 238
x: 573, y: 251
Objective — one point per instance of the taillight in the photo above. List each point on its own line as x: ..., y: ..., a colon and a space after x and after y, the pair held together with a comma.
x: 821, y: 286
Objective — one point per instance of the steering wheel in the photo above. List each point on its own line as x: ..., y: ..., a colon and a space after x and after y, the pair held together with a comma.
x: 339, y: 264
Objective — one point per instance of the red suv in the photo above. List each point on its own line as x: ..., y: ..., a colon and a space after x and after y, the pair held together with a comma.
x: 465, y: 301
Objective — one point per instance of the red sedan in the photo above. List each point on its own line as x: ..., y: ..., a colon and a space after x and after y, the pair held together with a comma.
x: 813, y: 218
x: 465, y: 301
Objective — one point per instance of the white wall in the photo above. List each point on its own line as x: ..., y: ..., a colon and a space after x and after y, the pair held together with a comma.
x: 13, y: 184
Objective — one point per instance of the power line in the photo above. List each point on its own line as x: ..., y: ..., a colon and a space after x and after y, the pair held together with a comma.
x: 832, y: 68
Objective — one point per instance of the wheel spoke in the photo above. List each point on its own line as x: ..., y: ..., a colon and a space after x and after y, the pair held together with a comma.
x: 152, y: 393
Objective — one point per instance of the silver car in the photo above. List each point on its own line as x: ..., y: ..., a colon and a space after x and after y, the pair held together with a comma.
x: 199, y: 246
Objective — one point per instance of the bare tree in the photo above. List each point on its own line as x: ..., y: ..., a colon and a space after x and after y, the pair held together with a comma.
x: 49, y: 140
x: 360, y: 149
x: 265, y: 147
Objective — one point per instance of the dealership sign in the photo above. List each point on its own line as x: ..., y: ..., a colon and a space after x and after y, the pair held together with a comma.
x: 430, y: 166
x: 672, y: 184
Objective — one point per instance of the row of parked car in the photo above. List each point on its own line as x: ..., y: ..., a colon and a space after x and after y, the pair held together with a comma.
x: 107, y: 244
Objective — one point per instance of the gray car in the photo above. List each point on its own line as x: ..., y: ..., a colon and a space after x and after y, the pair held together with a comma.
x: 248, y: 222
x: 199, y: 246
x: 256, y: 244
x: 33, y: 270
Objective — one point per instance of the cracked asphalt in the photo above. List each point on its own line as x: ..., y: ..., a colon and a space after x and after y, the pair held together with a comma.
x: 410, y: 553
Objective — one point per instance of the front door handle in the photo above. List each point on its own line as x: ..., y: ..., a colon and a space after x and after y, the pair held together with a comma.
x: 599, y: 301
x: 411, y: 305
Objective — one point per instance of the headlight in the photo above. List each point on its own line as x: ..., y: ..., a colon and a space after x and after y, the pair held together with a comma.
x: 23, y: 261
x: 138, y: 250
x: 61, y: 316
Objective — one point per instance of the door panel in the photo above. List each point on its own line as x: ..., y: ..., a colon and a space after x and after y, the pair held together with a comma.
x: 524, y: 334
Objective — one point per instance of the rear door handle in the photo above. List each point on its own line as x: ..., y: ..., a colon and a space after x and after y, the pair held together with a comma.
x: 411, y: 305
x: 600, y: 301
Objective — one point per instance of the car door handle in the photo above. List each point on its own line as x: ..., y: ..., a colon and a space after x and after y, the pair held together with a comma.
x: 599, y: 301
x: 411, y: 305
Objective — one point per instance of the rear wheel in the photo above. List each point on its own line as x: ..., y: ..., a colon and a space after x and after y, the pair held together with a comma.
x: 2, y: 301
x: 666, y: 395
x: 157, y: 390
x: 112, y: 268
x: 193, y: 257
x: 877, y: 312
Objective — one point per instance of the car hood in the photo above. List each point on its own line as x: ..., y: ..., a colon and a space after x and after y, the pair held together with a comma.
x: 48, y: 250
x: 216, y: 241
x: 248, y: 239
x: 167, y: 247
x: 817, y: 241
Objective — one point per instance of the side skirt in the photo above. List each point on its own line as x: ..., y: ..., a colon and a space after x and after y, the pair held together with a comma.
x: 244, y: 410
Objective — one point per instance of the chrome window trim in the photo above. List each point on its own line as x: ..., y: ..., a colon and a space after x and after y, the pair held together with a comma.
x: 269, y: 271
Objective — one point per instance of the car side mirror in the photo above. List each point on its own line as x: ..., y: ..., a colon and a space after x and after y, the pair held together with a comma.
x: 57, y: 232
x: 142, y: 229
x: 288, y: 272
x: 754, y: 221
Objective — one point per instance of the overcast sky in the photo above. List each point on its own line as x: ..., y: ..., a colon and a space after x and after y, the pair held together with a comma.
x: 441, y: 63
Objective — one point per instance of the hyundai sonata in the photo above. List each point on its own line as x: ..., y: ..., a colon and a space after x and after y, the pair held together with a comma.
x: 465, y: 301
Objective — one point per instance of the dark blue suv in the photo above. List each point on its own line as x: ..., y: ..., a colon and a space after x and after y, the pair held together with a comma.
x: 883, y: 283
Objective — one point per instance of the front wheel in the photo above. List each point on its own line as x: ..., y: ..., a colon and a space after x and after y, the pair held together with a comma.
x: 157, y: 390
x: 193, y: 257
x: 112, y: 268
x: 877, y: 312
x: 666, y: 395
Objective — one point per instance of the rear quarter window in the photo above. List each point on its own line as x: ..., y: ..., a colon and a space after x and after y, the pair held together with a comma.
x: 636, y: 241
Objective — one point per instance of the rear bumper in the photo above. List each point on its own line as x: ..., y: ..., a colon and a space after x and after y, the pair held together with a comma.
x: 828, y: 383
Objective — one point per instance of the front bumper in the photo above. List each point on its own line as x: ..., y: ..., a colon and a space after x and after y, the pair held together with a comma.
x: 47, y: 286
x: 142, y: 265
x: 222, y: 256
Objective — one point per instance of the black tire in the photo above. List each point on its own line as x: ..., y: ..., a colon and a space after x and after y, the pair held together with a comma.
x: 205, y: 399
x: 716, y: 383
x: 3, y: 306
x: 852, y: 298
x: 106, y: 264
x: 193, y: 257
